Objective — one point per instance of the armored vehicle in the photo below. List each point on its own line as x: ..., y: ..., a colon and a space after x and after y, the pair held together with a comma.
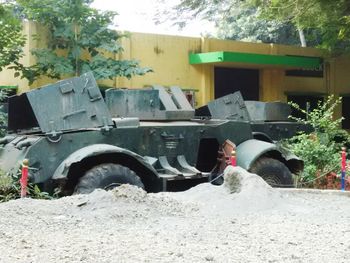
x: 270, y: 121
x: 76, y: 140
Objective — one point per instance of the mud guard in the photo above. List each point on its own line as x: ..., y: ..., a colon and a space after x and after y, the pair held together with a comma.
x: 95, y: 150
x: 262, y: 137
x: 249, y: 151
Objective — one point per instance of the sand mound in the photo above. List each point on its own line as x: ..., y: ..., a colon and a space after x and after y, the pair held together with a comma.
x: 241, y: 192
x: 130, y: 192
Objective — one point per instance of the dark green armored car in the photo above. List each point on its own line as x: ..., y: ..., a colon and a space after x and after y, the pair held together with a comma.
x: 270, y: 121
x: 77, y: 141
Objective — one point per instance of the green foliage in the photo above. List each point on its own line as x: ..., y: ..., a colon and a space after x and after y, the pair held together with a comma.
x: 185, y: 10
x: 319, y: 150
x: 3, y: 115
x: 245, y: 24
x: 331, y: 18
x: 322, y: 117
x: 10, y: 189
x: 80, y: 41
x: 235, y: 19
x: 11, y: 40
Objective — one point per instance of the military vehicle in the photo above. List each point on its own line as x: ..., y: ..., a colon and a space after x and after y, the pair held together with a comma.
x: 77, y: 141
x: 270, y: 121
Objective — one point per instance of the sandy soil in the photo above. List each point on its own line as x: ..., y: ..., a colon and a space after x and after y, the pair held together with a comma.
x: 248, y: 223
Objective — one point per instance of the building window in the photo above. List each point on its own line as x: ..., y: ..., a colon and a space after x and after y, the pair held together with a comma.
x: 346, y: 112
x: 305, y: 102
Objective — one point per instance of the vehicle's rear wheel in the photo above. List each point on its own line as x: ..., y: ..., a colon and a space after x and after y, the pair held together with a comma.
x: 107, y: 176
x: 274, y: 172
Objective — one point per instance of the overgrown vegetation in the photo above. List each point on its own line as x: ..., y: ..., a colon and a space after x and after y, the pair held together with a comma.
x: 330, y: 18
x: 318, y: 23
x: 80, y: 40
x: 3, y: 115
x: 7, y: 188
x: 10, y: 188
x: 12, y: 39
x: 233, y: 19
x: 320, y: 150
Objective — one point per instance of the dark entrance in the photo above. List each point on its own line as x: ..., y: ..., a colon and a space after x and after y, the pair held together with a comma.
x: 305, y: 102
x: 229, y: 80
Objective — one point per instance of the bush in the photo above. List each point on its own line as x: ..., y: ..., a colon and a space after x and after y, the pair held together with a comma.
x: 10, y: 189
x: 3, y: 115
x: 319, y: 150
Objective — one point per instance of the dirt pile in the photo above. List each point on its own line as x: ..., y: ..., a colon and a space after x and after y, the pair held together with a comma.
x: 244, y: 220
x: 242, y: 192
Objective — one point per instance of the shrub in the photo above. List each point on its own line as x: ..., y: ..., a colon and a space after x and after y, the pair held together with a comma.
x: 3, y: 115
x: 320, y: 150
x: 10, y: 189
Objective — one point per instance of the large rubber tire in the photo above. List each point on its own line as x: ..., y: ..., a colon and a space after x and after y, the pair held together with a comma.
x: 274, y: 172
x: 106, y: 176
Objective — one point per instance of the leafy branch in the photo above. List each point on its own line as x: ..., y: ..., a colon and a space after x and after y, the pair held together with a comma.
x: 80, y: 40
x: 12, y: 39
x: 319, y: 150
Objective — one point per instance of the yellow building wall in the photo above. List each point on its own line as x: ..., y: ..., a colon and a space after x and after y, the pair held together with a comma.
x: 168, y: 56
x: 7, y: 76
x: 340, y: 79
x: 304, y: 85
x: 341, y: 76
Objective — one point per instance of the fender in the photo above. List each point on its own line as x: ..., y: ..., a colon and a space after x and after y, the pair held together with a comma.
x: 262, y: 137
x: 249, y: 151
x: 95, y: 150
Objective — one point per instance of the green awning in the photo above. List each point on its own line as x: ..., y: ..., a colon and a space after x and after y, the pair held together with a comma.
x: 258, y: 59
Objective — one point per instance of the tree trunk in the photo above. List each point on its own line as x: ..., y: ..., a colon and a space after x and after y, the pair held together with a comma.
x: 302, y: 37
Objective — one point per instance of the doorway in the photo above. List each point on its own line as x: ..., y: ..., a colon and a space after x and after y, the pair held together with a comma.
x: 230, y: 80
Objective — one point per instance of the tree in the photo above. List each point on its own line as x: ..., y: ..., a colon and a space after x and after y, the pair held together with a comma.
x: 235, y: 19
x: 80, y: 40
x: 245, y: 24
x: 331, y: 18
x: 12, y: 39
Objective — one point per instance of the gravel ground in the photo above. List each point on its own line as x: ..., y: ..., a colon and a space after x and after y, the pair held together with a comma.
x: 207, y: 223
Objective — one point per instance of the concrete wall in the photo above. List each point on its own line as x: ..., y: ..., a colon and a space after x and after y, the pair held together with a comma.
x: 169, y: 58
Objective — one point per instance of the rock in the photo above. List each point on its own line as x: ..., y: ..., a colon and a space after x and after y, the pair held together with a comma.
x: 130, y: 192
x: 232, y: 179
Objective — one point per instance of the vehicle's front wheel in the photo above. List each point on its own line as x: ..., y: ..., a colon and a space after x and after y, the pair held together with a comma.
x: 106, y: 176
x: 274, y: 172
